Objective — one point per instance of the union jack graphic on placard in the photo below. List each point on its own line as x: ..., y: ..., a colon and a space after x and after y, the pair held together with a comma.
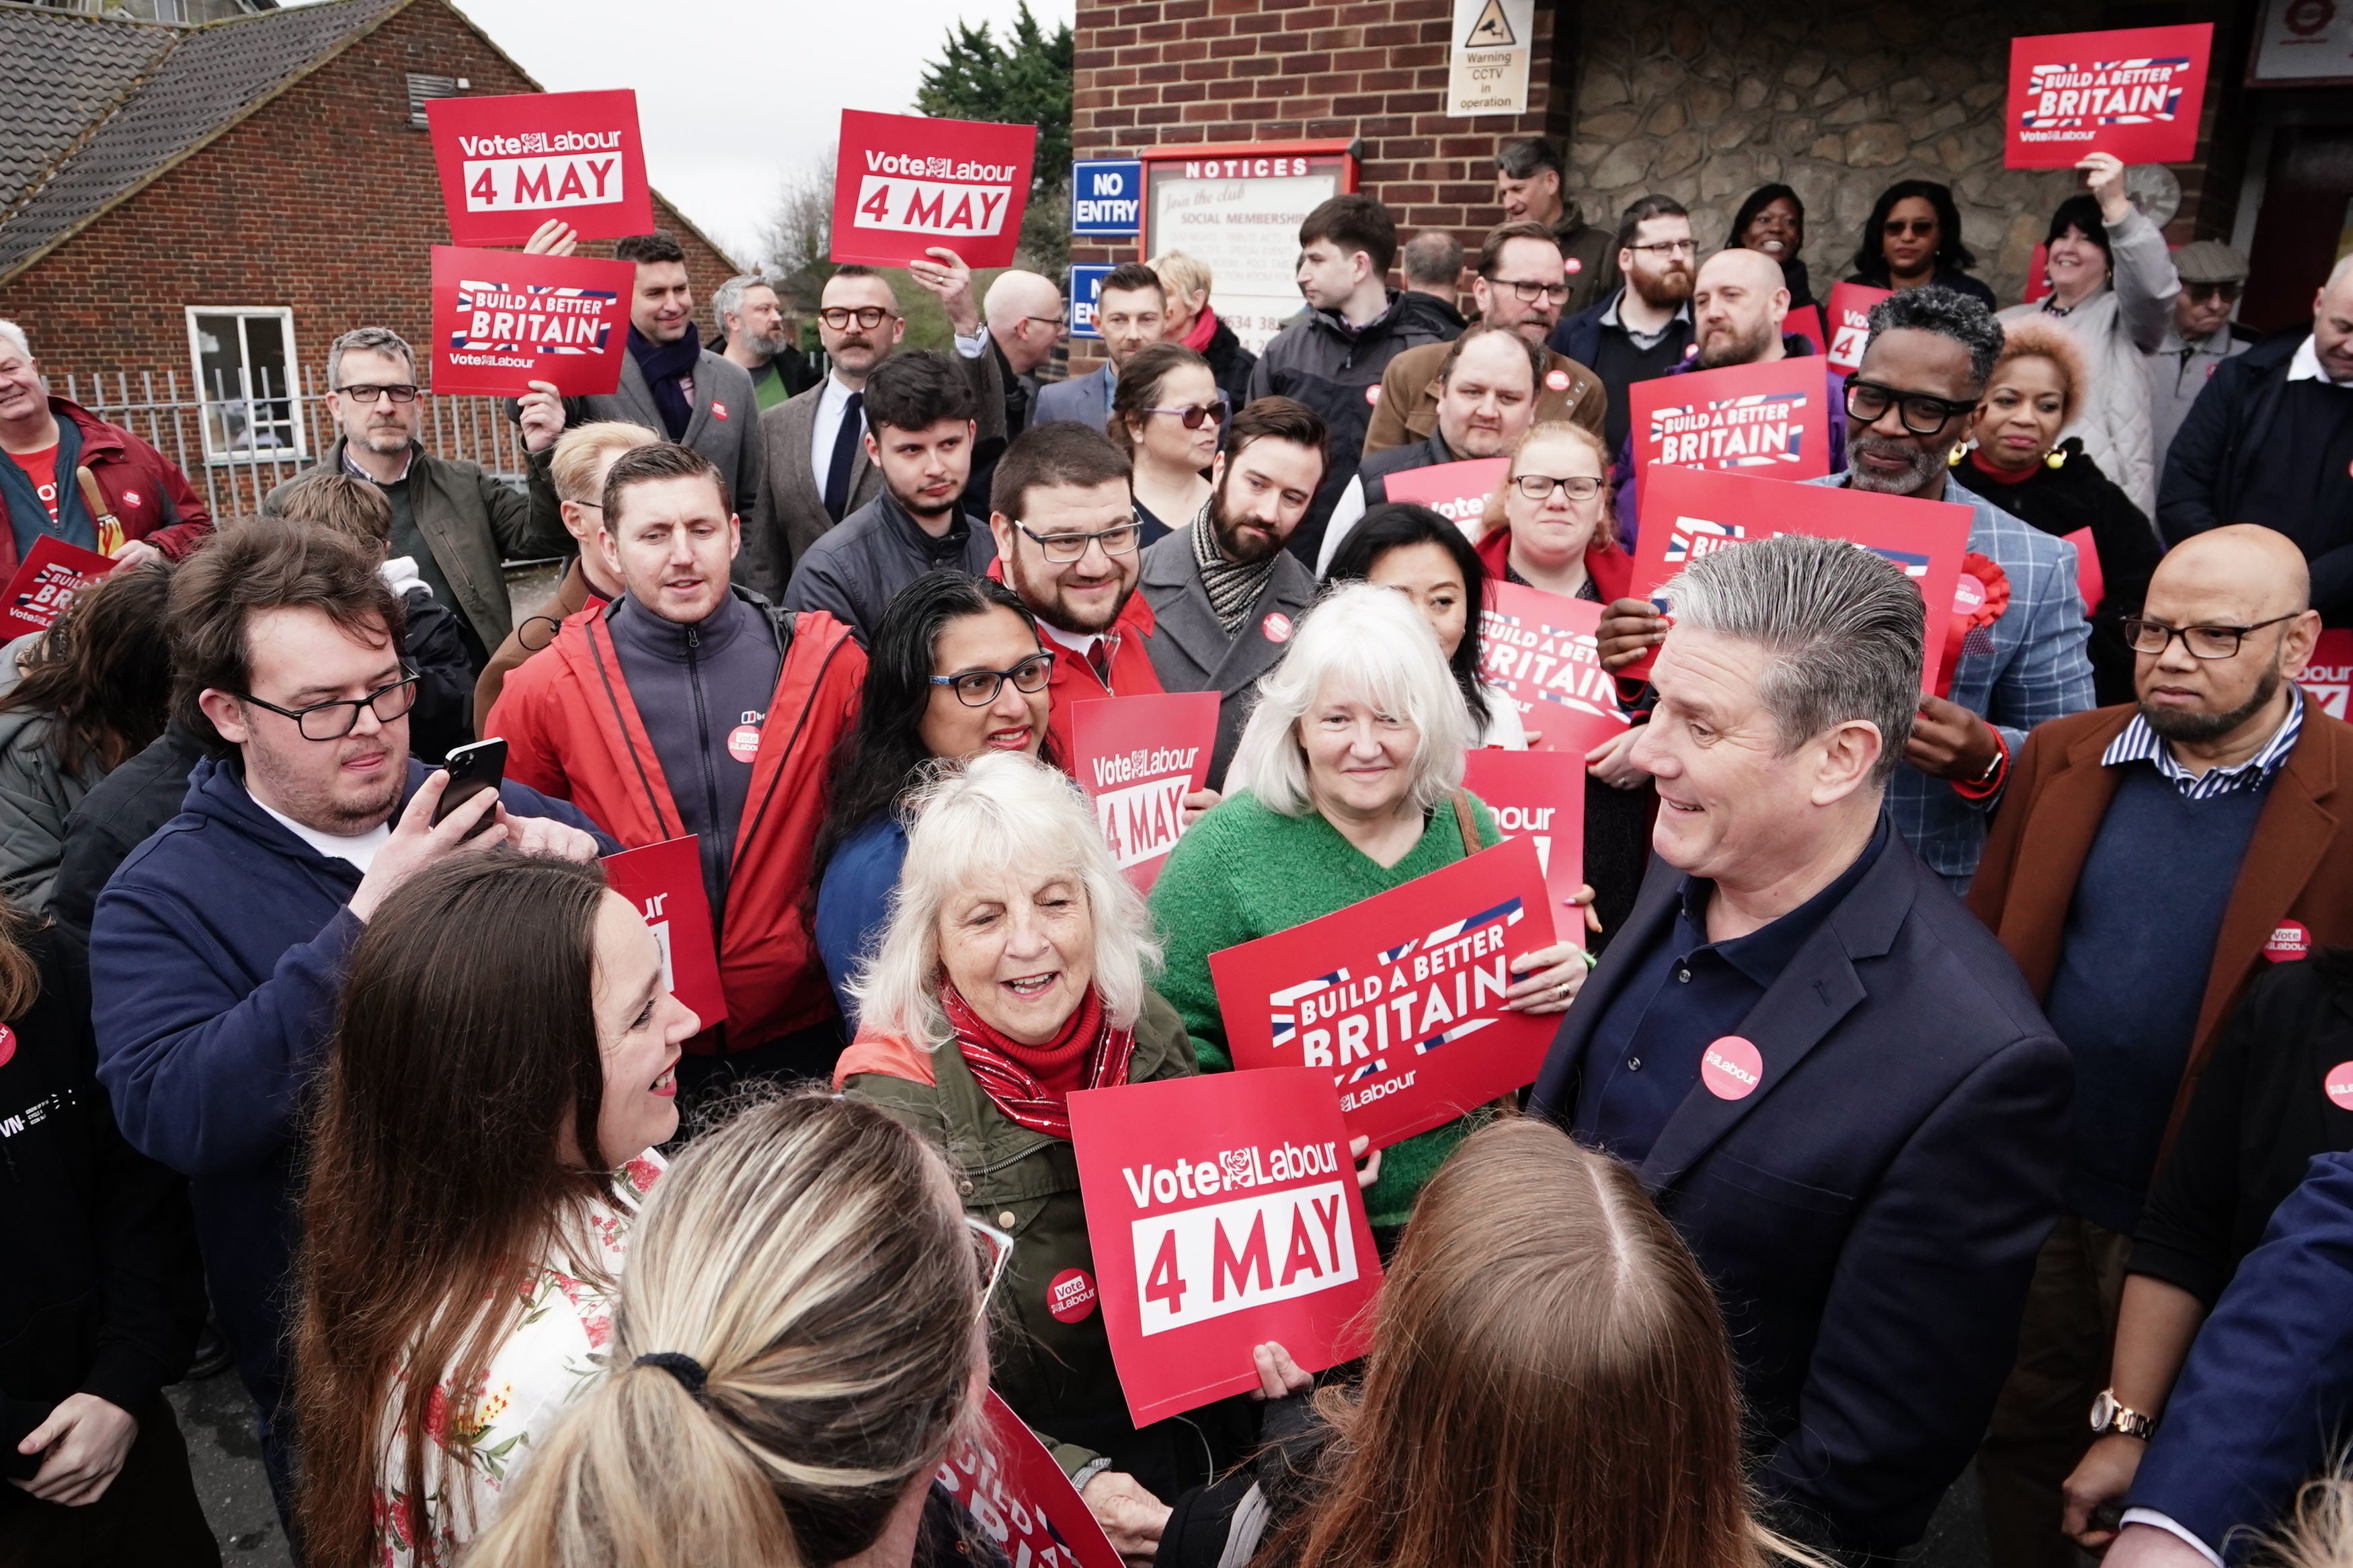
x: 1286, y: 1023
x: 1914, y: 562
x: 2056, y: 102
x: 535, y: 319
x: 1773, y: 410
x: 1694, y: 536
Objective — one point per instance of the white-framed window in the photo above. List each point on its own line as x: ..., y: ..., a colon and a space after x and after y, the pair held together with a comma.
x: 249, y: 381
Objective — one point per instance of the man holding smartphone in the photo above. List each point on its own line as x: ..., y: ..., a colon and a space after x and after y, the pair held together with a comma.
x: 218, y: 949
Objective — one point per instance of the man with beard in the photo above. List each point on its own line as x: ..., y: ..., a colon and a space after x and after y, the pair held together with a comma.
x: 753, y: 334
x: 1646, y: 327
x: 1225, y: 594
x: 1924, y: 370
x: 2148, y: 859
x: 1520, y: 284
x: 1738, y: 304
x: 919, y: 436
x: 1527, y: 188
x: 1131, y: 304
x: 217, y: 951
x: 1486, y: 401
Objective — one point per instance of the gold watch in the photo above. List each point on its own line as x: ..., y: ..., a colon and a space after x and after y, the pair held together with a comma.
x: 2110, y: 1417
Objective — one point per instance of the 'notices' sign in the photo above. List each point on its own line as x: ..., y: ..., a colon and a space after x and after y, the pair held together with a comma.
x: 509, y: 165
x: 1487, y: 68
x: 906, y: 184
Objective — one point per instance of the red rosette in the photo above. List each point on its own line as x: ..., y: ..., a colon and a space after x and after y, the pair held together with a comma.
x: 1980, y: 595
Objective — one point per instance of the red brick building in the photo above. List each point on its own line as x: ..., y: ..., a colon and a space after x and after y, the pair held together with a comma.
x: 212, y: 205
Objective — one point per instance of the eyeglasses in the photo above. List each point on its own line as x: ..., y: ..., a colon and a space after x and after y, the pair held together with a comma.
x: 993, y: 1251
x: 1539, y: 487
x: 1064, y: 548
x: 838, y: 317
x: 1213, y: 413
x: 401, y: 393
x: 1054, y: 321
x: 978, y: 687
x: 1670, y: 248
x: 1897, y: 227
x: 1529, y: 293
x: 2202, y: 292
x: 334, y: 720
x: 2203, y: 642
x: 1922, y: 414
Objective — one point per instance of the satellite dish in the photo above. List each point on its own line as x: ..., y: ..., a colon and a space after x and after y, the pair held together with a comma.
x: 2152, y: 188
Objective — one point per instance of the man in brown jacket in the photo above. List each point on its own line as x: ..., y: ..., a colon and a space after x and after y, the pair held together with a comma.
x: 1521, y: 285
x: 2146, y: 861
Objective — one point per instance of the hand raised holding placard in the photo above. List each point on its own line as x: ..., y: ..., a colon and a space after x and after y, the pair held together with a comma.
x: 946, y: 276
x: 554, y: 237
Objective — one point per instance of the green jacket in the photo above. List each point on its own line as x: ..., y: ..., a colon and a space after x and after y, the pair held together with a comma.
x: 1057, y: 1377
x: 474, y: 523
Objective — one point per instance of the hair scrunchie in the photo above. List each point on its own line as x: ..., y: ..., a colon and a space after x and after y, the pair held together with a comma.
x: 685, y: 1368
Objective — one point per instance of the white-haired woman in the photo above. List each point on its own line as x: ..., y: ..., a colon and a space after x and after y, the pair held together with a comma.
x: 1016, y: 969
x: 1354, y: 763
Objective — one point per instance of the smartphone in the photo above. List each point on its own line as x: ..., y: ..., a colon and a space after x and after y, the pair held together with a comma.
x: 472, y: 769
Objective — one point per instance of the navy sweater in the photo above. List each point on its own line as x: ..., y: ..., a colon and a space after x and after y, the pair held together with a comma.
x: 2139, y: 942
x: 215, y: 956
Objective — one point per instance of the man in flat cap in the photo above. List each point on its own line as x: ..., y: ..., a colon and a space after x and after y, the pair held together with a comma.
x: 2202, y: 334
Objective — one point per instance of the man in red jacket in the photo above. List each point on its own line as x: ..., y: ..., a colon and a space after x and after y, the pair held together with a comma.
x: 689, y: 706
x: 144, y: 507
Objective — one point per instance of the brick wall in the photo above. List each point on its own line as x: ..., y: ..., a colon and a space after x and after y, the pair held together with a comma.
x: 326, y: 200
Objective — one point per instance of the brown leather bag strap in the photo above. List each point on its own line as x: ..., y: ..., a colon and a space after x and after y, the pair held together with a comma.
x: 1468, y: 821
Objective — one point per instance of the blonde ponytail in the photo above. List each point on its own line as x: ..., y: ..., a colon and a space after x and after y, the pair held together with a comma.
x: 809, y: 1261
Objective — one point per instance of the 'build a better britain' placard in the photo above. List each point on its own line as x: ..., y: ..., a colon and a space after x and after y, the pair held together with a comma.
x: 2135, y: 92
x: 906, y: 184
x: 509, y: 165
x: 502, y: 319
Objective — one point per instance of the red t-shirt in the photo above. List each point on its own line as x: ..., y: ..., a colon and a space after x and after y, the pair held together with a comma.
x: 42, y: 467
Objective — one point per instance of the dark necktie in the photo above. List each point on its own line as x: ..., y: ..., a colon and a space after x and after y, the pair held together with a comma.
x: 1099, y: 658
x: 845, y: 454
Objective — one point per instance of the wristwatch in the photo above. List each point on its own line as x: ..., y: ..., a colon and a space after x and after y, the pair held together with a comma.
x: 2109, y: 1418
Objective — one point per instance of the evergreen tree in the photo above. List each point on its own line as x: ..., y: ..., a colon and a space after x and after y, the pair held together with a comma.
x: 1025, y: 80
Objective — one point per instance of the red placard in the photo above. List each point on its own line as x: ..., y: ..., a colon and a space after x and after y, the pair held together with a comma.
x: 1137, y: 758
x: 2328, y: 676
x: 1539, y: 649
x: 1771, y: 419
x: 1456, y: 491
x: 502, y: 319
x: 905, y: 184
x: 2135, y: 92
x: 1806, y: 322
x: 509, y: 165
x: 52, y: 573
x: 1400, y: 997
x: 1687, y: 513
x: 1019, y: 1497
x: 664, y: 881
x: 1224, y: 1213
x: 1851, y: 306
x: 2089, y: 582
x: 1541, y: 795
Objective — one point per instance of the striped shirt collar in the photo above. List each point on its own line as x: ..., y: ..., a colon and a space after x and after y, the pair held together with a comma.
x: 2139, y: 743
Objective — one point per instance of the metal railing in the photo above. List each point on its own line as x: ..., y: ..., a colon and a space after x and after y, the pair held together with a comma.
x: 243, y: 441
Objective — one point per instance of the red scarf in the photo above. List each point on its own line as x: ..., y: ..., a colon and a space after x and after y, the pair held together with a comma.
x: 1032, y: 1084
x: 1204, y: 328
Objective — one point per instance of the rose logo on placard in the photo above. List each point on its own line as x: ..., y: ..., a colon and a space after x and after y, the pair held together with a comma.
x: 1732, y: 1068
x: 1237, y: 1163
x: 1071, y: 1296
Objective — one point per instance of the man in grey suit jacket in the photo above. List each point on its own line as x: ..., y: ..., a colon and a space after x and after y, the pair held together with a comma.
x: 1224, y: 593
x: 814, y: 471
x: 1128, y: 312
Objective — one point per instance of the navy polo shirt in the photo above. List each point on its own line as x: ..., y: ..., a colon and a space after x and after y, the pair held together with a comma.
x: 1685, y: 993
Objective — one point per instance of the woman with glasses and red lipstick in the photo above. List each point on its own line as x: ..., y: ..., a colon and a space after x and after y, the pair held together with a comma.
x: 1169, y: 415
x: 1912, y: 238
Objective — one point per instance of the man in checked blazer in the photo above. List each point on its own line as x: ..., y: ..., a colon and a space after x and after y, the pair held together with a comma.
x: 816, y: 465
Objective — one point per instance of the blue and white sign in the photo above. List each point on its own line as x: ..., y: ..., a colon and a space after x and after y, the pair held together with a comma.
x: 1107, y: 196
x: 1086, y: 288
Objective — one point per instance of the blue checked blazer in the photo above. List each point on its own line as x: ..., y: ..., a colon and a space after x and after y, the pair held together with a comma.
x: 2031, y: 669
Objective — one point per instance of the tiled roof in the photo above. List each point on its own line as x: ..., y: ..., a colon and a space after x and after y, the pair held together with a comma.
x: 179, y: 96
x: 59, y: 72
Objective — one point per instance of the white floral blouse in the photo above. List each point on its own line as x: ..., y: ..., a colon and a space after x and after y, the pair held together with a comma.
x: 553, y: 1352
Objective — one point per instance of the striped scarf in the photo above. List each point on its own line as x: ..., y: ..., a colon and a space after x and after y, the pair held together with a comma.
x: 1031, y: 1085
x: 1232, y: 586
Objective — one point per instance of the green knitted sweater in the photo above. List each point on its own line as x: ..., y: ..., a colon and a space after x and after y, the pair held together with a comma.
x: 1243, y: 872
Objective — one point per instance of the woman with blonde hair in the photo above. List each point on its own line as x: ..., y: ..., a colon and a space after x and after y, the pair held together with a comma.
x: 796, y: 1345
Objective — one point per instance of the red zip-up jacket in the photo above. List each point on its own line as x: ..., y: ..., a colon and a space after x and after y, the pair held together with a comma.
x: 144, y: 489
x: 574, y: 733
x: 1074, y: 680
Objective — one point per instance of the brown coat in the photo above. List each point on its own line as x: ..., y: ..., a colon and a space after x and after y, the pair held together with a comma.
x: 1407, y: 409
x: 2299, y: 866
x: 572, y: 596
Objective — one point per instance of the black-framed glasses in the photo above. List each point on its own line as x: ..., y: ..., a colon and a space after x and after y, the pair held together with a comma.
x: 1195, y: 416
x: 2202, y: 292
x: 2144, y: 635
x: 1529, y: 293
x: 1539, y: 487
x: 1922, y: 414
x: 838, y: 317
x: 399, y: 392
x: 1064, y: 548
x: 334, y: 720
x: 1897, y: 227
x: 993, y: 1252
x: 978, y: 687
x: 1670, y: 248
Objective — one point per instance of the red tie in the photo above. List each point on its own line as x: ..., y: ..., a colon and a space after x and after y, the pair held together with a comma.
x: 1099, y: 658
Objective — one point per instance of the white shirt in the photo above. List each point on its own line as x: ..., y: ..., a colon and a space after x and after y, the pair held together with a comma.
x: 2305, y: 365
x: 359, y: 848
x: 1080, y: 643
x: 834, y: 401
x: 2150, y: 1516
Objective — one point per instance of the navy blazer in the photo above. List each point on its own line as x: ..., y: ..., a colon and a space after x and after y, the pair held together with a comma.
x: 2263, y: 1400
x: 1080, y: 400
x: 1869, y: 1214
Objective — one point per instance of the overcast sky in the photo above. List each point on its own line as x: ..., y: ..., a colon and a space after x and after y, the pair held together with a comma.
x: 733, y: 95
